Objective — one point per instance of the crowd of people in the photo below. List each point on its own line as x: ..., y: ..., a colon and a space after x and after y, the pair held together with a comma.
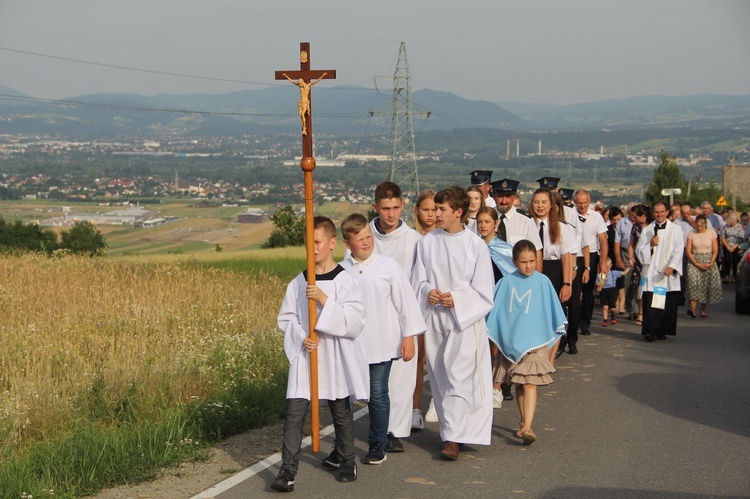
x: 485, y: 296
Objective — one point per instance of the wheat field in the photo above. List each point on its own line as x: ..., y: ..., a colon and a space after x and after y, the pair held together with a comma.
x: 103, y: 339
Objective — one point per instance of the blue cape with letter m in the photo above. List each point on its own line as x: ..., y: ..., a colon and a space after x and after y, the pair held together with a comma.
x: 526, y: 316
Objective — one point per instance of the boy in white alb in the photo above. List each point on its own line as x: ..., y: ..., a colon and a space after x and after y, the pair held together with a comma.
x: 342, y: 359
x: 455, y: 285
x: 394, y: 238
x: 393, y: 321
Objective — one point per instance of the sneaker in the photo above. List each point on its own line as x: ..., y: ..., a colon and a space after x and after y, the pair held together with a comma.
x: 394, y: 444
x: 417, y: 423
x: 332, y: 461
x: 348, y: 472
x: 431, y: 416
x: 605, y: 323
x: 613, y: 321
x: 284, y: 481
x: 376, y: 455
x: 497, y: 398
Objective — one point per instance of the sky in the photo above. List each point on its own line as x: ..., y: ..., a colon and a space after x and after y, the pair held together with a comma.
x: 551, y: 51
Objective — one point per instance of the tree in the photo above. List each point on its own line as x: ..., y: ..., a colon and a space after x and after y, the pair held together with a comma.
x: 289, y: 231
x: 83, y: 238
x: 666, y: 176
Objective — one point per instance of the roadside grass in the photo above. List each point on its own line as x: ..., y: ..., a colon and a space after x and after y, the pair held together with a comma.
x: 115, y: 367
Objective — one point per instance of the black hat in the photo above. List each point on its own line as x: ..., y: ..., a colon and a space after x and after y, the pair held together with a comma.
x: 548, y: 182
x: 480, y: 177
x: 566, y: 194
x: 505, y: 186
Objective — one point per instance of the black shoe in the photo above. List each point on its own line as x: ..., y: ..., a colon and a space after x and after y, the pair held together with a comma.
x: 662, y: 337
x: 348, y: 472
x: 585, y: 332
x: 376, y: 455
x: 559, y: 353
x: 394, y: 444
x: 572, y: 350
x: 284, y: 481
x: 332, y: 461
x: 506, y: 396
x: 648, y: 337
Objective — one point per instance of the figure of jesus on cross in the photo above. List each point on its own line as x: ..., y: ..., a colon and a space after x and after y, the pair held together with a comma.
x: 304, y: 98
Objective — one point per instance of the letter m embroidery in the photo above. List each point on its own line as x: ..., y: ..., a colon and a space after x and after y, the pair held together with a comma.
x: 520, y: 299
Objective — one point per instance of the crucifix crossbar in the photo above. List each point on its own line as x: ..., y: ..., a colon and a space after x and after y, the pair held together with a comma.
x: 305, y: 78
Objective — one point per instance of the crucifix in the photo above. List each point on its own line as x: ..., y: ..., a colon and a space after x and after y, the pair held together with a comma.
x: 306, y: 78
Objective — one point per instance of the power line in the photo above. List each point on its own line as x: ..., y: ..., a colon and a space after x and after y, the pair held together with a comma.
x: 104, y: 105
x: 129, y: 68
x: 153, y: 71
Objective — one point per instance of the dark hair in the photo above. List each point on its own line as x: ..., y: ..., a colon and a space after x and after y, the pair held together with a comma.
x: 326, y: 224
x: 456, y: 198
x: 521, y: 246
x: 656, y: 203
x: 387, y: 190
x: 642, y: 209
x: 614, y: 211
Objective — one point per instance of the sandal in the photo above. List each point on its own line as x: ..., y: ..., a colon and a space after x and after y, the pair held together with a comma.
x: 703, y: 314
x: 529, y: 437
x: 639, y: 320
x: 691, y: 313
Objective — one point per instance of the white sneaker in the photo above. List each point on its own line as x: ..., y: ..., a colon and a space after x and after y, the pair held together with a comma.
x: 417, y: 423
x: 497, y: 398
x: 431, y: 416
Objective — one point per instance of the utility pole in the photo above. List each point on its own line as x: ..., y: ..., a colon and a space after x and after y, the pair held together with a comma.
x: 403, y: 154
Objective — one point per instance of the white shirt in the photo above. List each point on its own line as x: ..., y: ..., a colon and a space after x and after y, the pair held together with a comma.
x: 567, y: 241
x: 519, y: 227
x: 392, y: 309
x: 592, y: 227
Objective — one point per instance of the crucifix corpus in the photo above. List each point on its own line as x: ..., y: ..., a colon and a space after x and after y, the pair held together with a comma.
x: 304, y: 79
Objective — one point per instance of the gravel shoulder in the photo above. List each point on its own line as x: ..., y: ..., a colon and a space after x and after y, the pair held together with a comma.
x: 215, y: 464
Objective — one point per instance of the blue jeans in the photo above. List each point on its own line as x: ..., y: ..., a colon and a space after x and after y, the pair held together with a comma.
x: 379, y: 404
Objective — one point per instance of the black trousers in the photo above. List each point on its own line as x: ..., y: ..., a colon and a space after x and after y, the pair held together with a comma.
x: 587, y: 289
x: 296, y: 410
x: 658, y: 322
x: 574, y: 306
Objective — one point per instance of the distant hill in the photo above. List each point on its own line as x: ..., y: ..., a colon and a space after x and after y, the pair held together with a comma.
x: 651, y: 110
x: 345, y: 110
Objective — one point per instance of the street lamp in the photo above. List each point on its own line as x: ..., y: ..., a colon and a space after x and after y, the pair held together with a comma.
x: 671, y: 193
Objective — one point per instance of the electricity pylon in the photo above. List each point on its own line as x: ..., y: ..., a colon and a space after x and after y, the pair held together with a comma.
x: 403, y: 170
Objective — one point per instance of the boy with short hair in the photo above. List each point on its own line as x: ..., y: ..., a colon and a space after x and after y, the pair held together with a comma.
x: 393, y: 322
x: 394, y: 238
x: 454, y: 283
x: 342, y: 360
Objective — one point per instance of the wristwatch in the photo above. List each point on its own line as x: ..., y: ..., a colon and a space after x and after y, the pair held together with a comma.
x: 566, y: 284
x: 586, y: 268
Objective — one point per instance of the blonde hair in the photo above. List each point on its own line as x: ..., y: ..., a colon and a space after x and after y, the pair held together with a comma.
x: 352, y: 225
x: 428, y: 194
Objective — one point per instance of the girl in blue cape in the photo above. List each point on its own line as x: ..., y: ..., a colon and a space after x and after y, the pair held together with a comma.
x: 527, y: 322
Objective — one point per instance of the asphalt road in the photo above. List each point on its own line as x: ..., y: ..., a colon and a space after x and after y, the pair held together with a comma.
x: 624, y: 418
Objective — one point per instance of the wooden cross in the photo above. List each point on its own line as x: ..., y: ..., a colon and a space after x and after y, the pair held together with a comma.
x: 306, y: 78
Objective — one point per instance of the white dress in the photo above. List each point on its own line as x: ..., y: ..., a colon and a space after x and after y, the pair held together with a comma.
x: 456, y: 340
x: 342, y: 359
